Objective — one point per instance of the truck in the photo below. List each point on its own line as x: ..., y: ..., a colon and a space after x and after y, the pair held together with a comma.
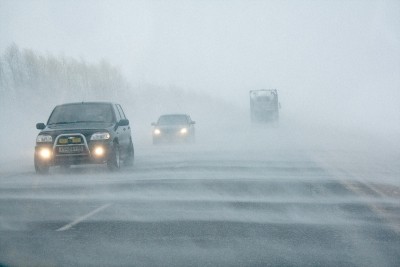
x: 264, y: 106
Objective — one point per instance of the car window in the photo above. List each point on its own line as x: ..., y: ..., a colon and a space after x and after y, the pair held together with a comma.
x: 82, y: 112
x: 121, y: 111
x: 117, y: 113
x: 172, y: 120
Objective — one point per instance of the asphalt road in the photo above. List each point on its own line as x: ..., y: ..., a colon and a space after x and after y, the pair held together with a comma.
x: 205, y: 206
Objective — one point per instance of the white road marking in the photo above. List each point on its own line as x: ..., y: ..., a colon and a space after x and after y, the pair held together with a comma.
x: 82, y: 218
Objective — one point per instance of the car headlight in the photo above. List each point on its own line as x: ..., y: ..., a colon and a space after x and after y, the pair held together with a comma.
x: 99, y: 151
x: 44, y: 138
x: 45, y: 153
x: 100, y: 136
x: 183, y: 130
x: 157, y: 131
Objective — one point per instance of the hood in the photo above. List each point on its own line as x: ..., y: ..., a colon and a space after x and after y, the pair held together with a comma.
x: 172, y: 126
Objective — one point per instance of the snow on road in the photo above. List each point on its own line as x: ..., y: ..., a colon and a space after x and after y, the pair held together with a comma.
x: 277, y: 203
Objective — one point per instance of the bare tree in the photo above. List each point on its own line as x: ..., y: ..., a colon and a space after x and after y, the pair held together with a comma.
x: 33, y: 77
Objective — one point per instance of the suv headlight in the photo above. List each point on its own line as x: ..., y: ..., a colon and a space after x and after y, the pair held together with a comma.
x: 44, y: 139
x: 184, y: 131
x: 100, y: 136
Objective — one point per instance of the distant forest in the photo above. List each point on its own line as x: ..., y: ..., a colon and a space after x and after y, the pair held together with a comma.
x: 26, y: 75
x: 32, y: 83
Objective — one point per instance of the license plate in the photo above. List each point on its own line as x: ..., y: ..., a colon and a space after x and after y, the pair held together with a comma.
x: 70, y: 149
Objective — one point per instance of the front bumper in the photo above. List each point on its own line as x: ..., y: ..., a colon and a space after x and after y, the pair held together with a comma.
x: 96, y: 152
x: 171, y: 136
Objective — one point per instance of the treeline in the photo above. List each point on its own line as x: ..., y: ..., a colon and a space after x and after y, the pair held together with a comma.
x: 32, y: 83
x: 28, y: 76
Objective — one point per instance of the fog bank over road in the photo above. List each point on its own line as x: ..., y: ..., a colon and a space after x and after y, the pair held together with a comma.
x: 330, y: 64
x: 321, y: 188
x: 276, y: 201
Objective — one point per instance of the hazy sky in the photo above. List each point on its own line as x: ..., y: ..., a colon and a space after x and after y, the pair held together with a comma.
x: 346, y: 51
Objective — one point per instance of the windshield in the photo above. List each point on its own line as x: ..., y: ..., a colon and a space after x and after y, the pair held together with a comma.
x: 172, y: 120
x: 82, y: 112
x: 263, y: 95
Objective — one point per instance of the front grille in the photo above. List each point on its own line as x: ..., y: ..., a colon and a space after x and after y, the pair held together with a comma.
x: 170, y: 131
x: 70, y: 145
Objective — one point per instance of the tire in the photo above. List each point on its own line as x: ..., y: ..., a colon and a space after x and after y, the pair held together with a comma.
x: 130, y: 155
x: 114, y: 160
x: 41, y: 168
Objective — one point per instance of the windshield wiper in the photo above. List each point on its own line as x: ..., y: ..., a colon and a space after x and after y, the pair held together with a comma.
x: 61, y: 122
x: 89, y: 121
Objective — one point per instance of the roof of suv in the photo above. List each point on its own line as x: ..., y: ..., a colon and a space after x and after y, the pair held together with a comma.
x: 92, y: 102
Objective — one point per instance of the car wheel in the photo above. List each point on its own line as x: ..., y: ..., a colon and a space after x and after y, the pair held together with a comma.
x: 41, y: 168
x: 114, y: 160
x: 130, y: 156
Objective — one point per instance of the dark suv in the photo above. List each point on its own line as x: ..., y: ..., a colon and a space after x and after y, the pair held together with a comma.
x: 80, y: 133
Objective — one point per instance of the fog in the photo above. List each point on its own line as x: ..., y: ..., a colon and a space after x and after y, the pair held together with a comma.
x: 334, y: 63
x: 331, y: 162
x: 335, y: 66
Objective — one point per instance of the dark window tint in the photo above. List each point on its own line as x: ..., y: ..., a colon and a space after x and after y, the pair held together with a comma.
x: 82, y: 112
x: 121, y: 112
x: 117, y: 113
x: 172, y: 119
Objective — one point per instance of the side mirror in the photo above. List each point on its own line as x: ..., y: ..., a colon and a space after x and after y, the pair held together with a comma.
x: 123, y: 122
x: 193, y: 122
x: 153, y: 124
x: 40, y: 126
